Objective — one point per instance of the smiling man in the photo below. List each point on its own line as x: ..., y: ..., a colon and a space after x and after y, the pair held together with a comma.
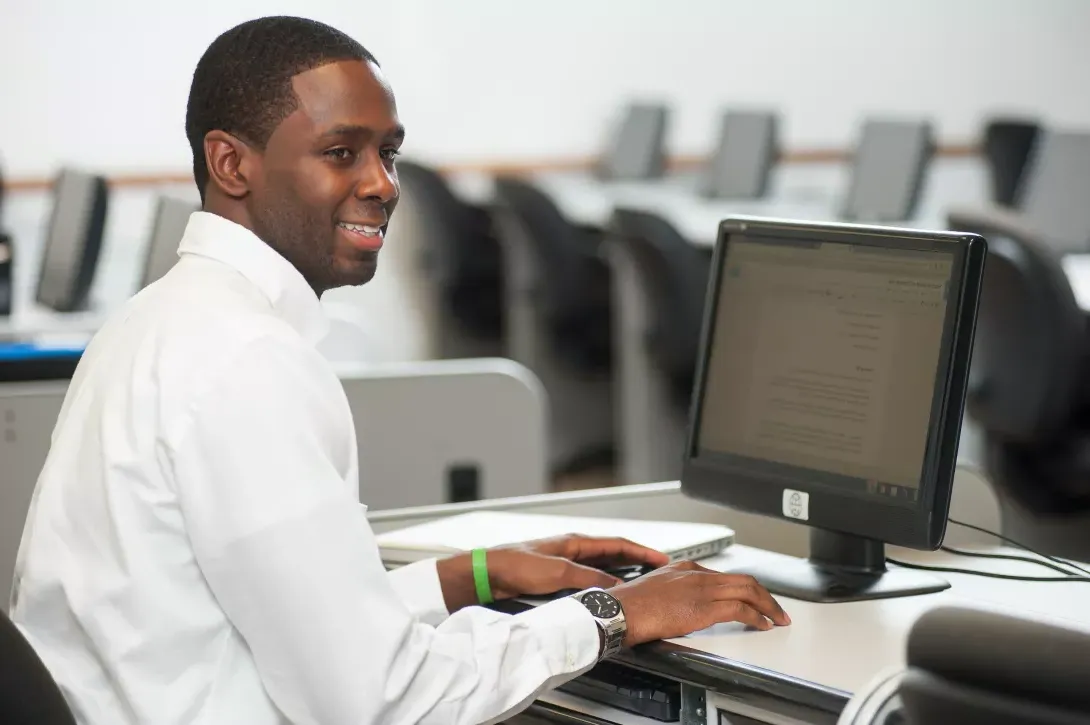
x: 195, y: 551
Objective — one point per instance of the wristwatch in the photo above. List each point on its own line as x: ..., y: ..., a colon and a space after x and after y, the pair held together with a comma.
x: 608, y: 615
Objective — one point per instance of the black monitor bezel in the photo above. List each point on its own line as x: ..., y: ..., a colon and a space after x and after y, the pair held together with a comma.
x: 921, y: 525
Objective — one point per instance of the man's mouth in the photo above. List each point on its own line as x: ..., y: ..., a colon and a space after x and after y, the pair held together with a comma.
x: 362, y: 229
x: 367, y: 237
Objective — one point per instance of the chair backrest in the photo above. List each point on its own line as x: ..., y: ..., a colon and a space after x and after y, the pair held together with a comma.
x: 7, y: 265
x: 456, y: 250
x: 1007, y: 146
x: 73, y: 240
x: 674, y: 273
x: 561, y: 250
x: 1028, y: 352
x: 167, y: 227
x: 979, y: 667
x: 888, y: 170
x: 747, y: 149
x: 28, y: 693
x: 1054, y: 195
x: 636, y: 150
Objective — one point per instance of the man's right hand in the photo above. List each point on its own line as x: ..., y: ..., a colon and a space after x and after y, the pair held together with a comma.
x: 685, y: 597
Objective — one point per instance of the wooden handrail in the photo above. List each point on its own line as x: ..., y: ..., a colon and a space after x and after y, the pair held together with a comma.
x: 679, y: 163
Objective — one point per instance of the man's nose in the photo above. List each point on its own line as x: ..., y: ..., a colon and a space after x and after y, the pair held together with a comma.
x: 377, y: 182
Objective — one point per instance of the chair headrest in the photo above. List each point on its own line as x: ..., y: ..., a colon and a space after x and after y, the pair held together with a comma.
x: 1024, y: 659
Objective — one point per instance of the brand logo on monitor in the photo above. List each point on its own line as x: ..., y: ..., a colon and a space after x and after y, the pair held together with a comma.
x: 796, y: 504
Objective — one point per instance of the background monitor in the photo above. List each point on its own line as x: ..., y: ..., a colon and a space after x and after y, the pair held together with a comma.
x: 73, y: 240
x: 888, y: 170
x: 747, y: 150
x: 636, y: 150
x: 830, y: 389
x: 168, y: 225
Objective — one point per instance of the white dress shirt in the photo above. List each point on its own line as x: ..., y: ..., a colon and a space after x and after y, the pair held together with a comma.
x: 195, y: 551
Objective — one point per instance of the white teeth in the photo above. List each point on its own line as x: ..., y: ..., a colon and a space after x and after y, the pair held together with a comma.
x: 362, y: 229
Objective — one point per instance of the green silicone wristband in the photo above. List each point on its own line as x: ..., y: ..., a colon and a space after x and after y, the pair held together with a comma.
x: 480, y: 577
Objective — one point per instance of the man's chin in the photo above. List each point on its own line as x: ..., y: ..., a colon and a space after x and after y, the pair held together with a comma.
x: 356, y: 274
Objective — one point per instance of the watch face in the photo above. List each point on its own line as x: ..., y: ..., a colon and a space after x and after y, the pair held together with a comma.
x: 601, y: 605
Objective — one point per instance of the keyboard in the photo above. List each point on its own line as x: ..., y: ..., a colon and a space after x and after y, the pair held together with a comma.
x: 630, y: 690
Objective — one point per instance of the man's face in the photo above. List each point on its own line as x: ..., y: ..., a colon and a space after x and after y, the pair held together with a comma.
x: 326, y: 185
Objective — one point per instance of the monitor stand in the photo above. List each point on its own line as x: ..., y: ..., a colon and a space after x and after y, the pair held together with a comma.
x: 842, y: 568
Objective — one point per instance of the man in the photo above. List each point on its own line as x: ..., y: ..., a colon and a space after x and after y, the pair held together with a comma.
x: 195, y: 552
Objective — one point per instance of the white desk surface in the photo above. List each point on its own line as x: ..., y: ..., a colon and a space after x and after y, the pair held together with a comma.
x: 843, y: 646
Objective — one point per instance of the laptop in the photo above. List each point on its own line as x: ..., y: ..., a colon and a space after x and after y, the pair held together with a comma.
x: 488, y: 529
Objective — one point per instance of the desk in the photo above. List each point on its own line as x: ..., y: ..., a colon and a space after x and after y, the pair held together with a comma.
x: 806, y: 673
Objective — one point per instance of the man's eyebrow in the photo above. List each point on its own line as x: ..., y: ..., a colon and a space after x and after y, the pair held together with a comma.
x: 397, y: 134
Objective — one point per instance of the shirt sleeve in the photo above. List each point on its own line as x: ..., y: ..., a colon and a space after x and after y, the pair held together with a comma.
x: 262, y: 480
x: 418, y: 586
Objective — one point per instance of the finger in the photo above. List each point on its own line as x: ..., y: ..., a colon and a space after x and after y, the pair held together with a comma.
x: 738, y: 611
x: 748, y: 590
x: 615, y: 551
x: 577, y: 576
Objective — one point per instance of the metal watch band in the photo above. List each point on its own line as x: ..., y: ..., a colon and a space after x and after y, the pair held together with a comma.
x: 613, y: 629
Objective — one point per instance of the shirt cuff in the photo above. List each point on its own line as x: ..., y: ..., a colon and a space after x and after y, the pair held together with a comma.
x: 571, y: 634
x: 417, y: 585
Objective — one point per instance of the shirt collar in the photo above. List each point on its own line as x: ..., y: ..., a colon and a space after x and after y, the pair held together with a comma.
x: 214, y: 237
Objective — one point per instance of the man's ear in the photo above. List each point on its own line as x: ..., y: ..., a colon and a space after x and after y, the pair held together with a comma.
x: 230, y: 163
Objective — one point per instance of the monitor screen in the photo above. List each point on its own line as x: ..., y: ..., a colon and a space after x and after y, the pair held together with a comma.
x: 822, y: 362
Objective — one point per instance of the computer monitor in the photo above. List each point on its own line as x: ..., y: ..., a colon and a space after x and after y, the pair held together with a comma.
x: 73, y: 240
x: 167, y: 226
x: 888, y: 171
x: 743, y: 159
x: 636, y: 149
x: 829, y: 391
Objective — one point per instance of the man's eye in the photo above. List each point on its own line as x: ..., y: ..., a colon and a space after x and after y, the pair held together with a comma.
x: 340, y: 154
x: 390, y: 153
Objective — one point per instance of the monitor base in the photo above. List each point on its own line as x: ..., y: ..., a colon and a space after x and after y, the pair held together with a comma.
x: 808, y: 582
x: 843, y: 568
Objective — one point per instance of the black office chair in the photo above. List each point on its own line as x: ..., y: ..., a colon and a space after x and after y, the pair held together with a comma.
x: 1007, y: 147
x: 461, y: 255
x: 28, y: 693
x: 7, y: 254
x: 572, y: 279
x: 1030, y: 390
x: 976, y: 667
x: 674, y: 273
x: 635, y: 150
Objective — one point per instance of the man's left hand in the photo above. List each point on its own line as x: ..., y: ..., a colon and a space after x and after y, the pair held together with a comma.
x: 545, y: 566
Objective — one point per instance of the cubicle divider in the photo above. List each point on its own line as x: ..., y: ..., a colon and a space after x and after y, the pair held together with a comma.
x: 428, y: 433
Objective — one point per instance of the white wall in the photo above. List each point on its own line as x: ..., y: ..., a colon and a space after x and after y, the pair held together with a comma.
x: 104, y: 83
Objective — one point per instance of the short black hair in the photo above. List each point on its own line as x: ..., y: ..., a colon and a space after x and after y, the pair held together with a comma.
x: 242, y: 84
